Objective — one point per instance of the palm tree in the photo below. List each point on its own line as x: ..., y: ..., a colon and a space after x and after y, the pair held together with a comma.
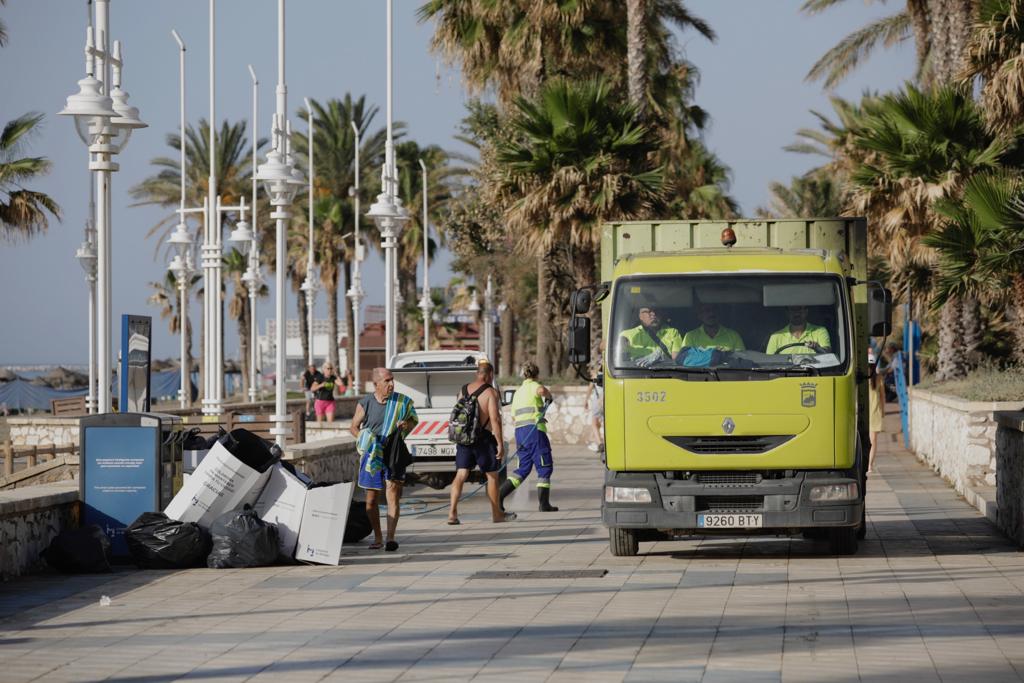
x: 979, y: 249
x: 939, y: 28
x: 813, y: 194
x: 167, y: 297
x: 920, y: 147
x: 578, y: 159
x: 334, y: 155
x: 23, y: 212
x: 995, y: 55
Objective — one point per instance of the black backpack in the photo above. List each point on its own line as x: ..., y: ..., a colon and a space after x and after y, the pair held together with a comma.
x: 464, y: 423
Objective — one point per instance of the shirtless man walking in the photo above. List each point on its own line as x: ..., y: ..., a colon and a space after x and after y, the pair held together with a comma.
x: 488, y: 451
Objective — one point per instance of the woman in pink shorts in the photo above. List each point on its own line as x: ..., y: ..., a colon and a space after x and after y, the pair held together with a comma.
x: 323, y: 387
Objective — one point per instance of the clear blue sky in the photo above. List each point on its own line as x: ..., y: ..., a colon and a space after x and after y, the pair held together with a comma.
x: 752, y: 85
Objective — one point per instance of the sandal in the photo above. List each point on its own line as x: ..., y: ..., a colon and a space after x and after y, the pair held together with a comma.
x: 391, y: 546
x: 509, y: 516
x: 376, y: 546
x: 454, y: 522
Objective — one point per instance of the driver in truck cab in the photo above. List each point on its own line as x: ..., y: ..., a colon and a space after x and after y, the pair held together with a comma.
x: 650, y: 341
x: 711, y: 334
x: 799, y: 336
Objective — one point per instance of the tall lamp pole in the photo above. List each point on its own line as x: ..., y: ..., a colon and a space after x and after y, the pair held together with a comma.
x: 355, y: 290
x: 86, y: 255
x: 104, y: 121
x: 281, y: 181
x: 253, y: 276
x: 181, y: 239
x: 426, y: 304
x: 388, y: 212
x: 489, y: 320
x: 309, y: 285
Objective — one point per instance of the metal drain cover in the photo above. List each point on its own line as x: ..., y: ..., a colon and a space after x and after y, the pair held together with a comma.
x: 543, y: 574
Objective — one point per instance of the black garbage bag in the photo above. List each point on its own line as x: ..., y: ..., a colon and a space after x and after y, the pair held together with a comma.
x: 157, y: 542
x: 249, y: 448
x: 79, y: 551
x: 357, y: 526
x: 241, y: 539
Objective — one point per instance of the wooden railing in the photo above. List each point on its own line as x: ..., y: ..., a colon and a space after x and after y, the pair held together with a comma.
x: 33, y: 455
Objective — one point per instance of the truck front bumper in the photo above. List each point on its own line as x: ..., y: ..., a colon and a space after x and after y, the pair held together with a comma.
x: 783, y: 503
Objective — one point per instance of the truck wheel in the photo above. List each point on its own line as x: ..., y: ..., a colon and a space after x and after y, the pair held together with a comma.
x: 438, y: 480
x: 623, y: 542
x: 862, y: 528
x: 843, y: 541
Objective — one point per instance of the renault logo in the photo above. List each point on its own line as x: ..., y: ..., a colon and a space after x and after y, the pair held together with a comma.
x: 728, y: 426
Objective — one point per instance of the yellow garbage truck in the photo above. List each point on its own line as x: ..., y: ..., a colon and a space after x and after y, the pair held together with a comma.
x: 735, y: 366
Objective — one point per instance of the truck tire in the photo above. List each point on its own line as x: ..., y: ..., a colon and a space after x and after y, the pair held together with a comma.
x: 437, y: 480
x: 862, y: 528
x: 623, y: 542
x: 843, y: 541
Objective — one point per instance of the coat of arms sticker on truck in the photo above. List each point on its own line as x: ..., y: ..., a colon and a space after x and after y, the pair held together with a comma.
x: 809, y: 394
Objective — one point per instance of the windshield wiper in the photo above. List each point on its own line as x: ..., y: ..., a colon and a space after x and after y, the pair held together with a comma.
x: 678, y: 370
x: 802, y: 369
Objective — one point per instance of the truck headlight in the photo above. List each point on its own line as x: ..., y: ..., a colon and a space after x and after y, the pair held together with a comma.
x: 832, y: 492
x: 622, y: 494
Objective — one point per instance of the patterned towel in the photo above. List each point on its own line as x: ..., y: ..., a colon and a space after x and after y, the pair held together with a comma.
x: 370, y: 445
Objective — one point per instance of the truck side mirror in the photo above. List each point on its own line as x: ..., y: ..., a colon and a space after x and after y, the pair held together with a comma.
x: 879, y: 311
x: 506, y: 397
x: 581, y: 301
x: 579, y: 340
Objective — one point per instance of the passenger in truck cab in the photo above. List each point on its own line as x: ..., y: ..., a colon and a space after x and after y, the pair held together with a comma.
x: 711, y: 334
x: 799, y: 336
x: 650, y: 341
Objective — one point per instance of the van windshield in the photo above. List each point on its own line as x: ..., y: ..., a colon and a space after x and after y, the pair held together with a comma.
x: 776, y: 324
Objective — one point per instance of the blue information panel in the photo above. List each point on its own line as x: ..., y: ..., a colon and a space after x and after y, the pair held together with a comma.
x: 120, y: 477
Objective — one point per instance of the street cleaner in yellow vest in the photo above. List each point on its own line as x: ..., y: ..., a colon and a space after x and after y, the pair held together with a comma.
x: 799, y: 336
x: 534, y: 449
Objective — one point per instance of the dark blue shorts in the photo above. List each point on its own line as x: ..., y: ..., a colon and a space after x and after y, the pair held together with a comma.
x: 482, y: 454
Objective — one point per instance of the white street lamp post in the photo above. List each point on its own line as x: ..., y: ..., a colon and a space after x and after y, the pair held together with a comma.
x: 489, y: 320
x: 281, y: 182
x: 212, y: 252
x: 355, y: 290
x: 182, y: 265
x: 86, y: 255
x: 253, y: 277
x: 104, y: 120
x: 425, y: 302
x: 388, y: 211
x: 309, y: 285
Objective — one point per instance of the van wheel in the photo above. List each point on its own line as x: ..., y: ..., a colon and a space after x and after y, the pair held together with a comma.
x: 437, y: 480
x: 843, y: 541
x: 623, y: 542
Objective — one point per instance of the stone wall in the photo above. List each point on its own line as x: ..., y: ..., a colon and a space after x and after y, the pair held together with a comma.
x: 326, y: 460
x: 957, y: 438
x: 1010, y: 474
x: 39, y: 430
x: 568, y: 419
x: 29, y: 519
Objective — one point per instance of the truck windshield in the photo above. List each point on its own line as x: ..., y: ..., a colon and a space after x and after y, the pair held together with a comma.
x: 706, y: 325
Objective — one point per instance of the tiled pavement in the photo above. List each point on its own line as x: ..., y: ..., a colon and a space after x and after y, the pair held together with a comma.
x: 934, y: 594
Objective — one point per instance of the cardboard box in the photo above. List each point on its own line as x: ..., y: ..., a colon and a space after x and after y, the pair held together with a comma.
x: 281, y: 502
x: 323, y: 524
x: 220, y: 483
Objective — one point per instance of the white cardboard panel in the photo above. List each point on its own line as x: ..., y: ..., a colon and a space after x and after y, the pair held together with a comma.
x: 221, y: 483
x: 281, y: 503
x: 323, y: 524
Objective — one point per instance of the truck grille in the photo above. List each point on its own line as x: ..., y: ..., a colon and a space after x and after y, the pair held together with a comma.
x: 728, y: 445
x: 729, y: 503
x: 729, y: 478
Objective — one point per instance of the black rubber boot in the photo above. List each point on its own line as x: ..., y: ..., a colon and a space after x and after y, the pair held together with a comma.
x: 544, y: 498
x: 507, y: 487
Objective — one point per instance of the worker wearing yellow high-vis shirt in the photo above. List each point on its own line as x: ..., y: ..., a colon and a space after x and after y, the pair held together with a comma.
x: 532, y: 444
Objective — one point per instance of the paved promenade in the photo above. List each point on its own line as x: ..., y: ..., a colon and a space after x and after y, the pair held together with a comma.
x: 935, y: 594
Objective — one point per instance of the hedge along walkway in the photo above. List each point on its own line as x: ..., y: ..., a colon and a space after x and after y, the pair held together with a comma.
x: 935, y: 594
